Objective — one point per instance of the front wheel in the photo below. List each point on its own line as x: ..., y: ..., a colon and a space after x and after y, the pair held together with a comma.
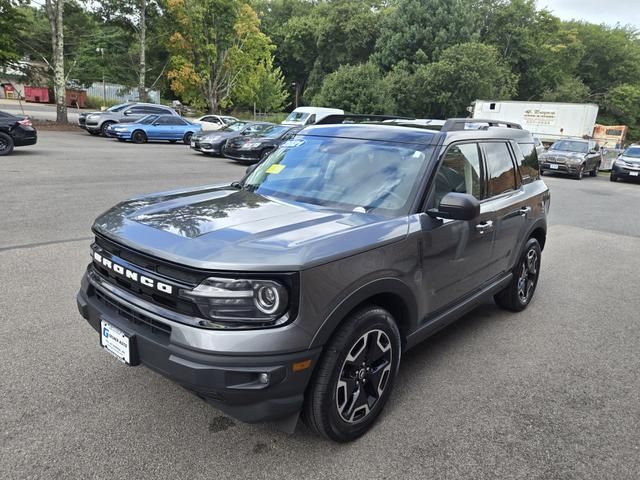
x: 594, y: 172
x: 613, y: 178
x: 187, y: 138
x: 139, y: 137
x: 103, y: 128
x: 355, y: 376
x: 580, y: 173
x: 518, y: 294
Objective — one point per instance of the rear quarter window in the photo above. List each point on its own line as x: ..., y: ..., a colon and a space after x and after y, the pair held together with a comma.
x: 527, y: 160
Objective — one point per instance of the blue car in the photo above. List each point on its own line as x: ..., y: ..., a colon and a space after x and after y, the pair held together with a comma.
x: 154, y: 127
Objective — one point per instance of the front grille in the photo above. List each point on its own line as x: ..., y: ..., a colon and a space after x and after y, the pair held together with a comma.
x: 134, y: 317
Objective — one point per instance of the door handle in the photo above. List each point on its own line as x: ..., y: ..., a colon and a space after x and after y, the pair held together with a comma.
x: 524, y: 211
x: 484, y: 227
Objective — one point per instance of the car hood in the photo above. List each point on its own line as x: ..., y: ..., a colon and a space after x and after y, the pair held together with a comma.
x: 633, y: 160
x: 562, y: 154
x: 224, y: 228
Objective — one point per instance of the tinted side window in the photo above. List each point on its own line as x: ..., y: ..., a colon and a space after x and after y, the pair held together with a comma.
x: 527, y: 159
x: 137, y: 111
x: 459, y: 172
x: 500, y: 172
x: 173, y: 120
x: 157, y: 110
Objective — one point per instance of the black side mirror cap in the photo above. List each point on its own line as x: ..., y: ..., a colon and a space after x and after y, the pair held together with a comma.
x: 457, y: 206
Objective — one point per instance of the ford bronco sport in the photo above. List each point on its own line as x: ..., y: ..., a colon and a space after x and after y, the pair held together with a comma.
x: 296, y: 289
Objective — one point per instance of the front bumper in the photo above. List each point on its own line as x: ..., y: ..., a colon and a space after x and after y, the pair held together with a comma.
x: 115, y: 134
x: 566, y: 168
x: 625, y: 172
x: 244, y: 156
x: 24, y: 136
x: 229, y: 382
x: 206, y: 147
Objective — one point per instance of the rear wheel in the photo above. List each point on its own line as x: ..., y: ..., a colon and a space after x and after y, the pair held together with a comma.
x: 104, y: 126
x: 187, y: 138
x: 517, y: 295
x: 594, y: 172
x: 139, y: 137
x: 355, y: 376
x: 6, y: 144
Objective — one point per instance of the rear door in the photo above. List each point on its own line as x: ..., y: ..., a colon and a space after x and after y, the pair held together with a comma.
x: 505, y: 207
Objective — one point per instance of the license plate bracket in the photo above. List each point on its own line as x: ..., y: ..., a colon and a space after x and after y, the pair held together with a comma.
x: 118, y: 343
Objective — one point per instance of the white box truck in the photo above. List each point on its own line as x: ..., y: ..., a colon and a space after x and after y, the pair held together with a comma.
x: 546, y: 120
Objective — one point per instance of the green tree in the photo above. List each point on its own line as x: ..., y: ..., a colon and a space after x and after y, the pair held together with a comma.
x: 264, y: 89
x: 415, y: 30
x: 462, y: 74
x: 11, y: 19
x: 571, y: 90
x: 355, y: 89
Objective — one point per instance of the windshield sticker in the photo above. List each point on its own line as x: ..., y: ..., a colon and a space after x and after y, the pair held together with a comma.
x: 275, y: 169
x: 295, y: 142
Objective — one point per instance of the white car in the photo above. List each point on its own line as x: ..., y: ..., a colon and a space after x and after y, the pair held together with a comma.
x: 214, y: 122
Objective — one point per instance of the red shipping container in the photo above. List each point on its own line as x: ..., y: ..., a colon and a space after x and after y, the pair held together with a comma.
x: 36, y: 94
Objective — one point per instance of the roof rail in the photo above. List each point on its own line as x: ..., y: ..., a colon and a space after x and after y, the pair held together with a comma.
x: 352, y: 118
x: 455, y: 124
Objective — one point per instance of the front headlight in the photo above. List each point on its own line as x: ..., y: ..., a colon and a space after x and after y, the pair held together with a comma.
x: 251, y: 145
x: 240, y: 301
x: 575, y: 159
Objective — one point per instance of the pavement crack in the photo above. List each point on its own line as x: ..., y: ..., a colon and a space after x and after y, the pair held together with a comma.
x: 42, y: 244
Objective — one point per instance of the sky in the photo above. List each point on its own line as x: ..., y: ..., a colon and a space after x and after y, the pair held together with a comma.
x: 625, y: 12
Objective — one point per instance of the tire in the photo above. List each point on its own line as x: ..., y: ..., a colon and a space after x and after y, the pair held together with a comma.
x: 580, y: 173
x: 335, y: 406
x: 187, y: 138
x: 103, y: 128
x: 139, y: 137
x: 594, y: 172
x: 613, y: 178
x: 6, y: 144
x: 518, y: 294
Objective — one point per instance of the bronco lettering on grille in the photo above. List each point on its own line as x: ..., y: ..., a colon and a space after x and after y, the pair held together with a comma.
x: 131, y: 275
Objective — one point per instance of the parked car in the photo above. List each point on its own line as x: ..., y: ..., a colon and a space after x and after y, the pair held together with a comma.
x: 214, y: 122
x: 572, y: 157
x: 257, y: 146
x: 211, y: 143
x: 97, y: 122
x: 154, y: 127
x: 15, y: 131
x: 299, y: 288
x: 627, y: 165
x: 309, y: 115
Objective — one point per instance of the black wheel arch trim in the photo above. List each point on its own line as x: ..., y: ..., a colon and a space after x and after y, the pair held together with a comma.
x: 393, y: 288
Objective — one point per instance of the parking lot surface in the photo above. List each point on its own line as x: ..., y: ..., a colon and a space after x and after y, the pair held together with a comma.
x: 550, y: 393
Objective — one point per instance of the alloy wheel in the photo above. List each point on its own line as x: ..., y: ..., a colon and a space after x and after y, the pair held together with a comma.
x: 3, y: 144
x: 528, y: 275
x: 364, y: 376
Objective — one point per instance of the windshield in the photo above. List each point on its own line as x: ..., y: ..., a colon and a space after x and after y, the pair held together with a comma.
x: 571, y: 146
x: 117, y: 108
x: 229, y: 120
x: 147, y: 119
x: 297, y: 117
x: 340, y: 173
x: 274, y: 131
x: 234, y: 127
x: 632, y: 152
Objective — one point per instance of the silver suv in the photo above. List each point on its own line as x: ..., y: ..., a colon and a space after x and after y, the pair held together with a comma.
x: 96, y: 123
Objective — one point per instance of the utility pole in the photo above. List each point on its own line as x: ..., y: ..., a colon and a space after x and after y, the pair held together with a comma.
x: 104, y: 85
x: 295, y: 86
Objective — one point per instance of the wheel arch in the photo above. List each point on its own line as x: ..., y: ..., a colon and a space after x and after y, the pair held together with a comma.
x: 389, y: 293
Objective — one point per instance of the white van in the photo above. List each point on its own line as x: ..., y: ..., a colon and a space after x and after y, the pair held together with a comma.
x: 310, y: 115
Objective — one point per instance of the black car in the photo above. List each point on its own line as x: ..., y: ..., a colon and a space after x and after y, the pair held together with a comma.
x: 211, y: 143
x: 15, y: 131
x: 254, y: 147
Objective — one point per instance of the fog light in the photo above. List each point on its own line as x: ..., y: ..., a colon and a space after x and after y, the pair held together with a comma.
x: 264, y: 378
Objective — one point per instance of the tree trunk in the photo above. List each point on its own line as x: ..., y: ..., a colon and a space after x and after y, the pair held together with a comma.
x: 142, y: 73
x: 55, y: 12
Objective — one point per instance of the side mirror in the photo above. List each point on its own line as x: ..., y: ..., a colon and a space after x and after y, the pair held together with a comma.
x: 250, y: 168
x: 457, y: 206
x: 592, y: 151
x: 127, y: 112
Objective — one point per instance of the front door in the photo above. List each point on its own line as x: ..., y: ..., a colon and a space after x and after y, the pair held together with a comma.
x: 456, y: 253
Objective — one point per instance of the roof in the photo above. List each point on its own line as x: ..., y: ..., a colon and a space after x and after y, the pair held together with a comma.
x: 367, y: 131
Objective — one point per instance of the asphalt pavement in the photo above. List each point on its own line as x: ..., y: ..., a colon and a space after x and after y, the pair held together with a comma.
x: 549, y: 393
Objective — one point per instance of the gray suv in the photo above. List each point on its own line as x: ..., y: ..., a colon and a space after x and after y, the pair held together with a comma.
x: 96, y: 123
x: 298, y: 289
x: 572, y: 156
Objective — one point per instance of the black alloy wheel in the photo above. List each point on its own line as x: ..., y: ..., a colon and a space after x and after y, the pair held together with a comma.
x: 355, y: 375
x: 187, y: 138
x: 518, y: 293
x: 6, y: 144
x: 139, y: 137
